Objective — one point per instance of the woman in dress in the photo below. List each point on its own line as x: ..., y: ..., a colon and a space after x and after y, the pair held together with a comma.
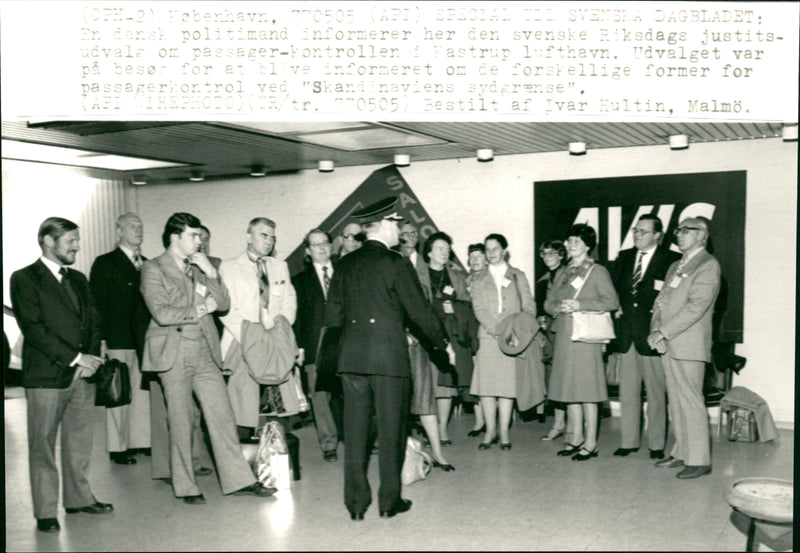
x: 578, y: 376
x: 476, y: 260
x: 499, y: 292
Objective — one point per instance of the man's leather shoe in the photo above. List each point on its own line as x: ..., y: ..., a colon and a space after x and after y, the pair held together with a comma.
x: 256, y: 489
x: 330, y: 456
x: 96, y: 508
x: 695, y: 471
x: 47, y: 525
x: 121, y: 458
x: 401, y: 506
x: 656, y: 453
x: 669, y: 463
x: 625, y: 451
x: 354, y: 515
x: 194, y: 499
x: 203, y: 471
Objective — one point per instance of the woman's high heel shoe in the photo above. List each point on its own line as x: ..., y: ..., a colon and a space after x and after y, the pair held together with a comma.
x: 478, y: 432
x: 487, y: 445
x: 585, y: 456
x: 447, y: 467
x: 570, y: 450
x: 505, y: 446
x: 552, y: 435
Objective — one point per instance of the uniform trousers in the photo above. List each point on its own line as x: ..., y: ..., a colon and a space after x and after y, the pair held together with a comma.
x: 633, y: 369
x: 196, y: 373
x: 128, y: 426
x: 687, y: 410
x: 73, y: 409
x: 323, y: 415
x: 388, y: 397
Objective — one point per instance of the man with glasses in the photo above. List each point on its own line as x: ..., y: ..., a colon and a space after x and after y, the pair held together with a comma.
x: 638, y: 276
x: 312, y: 285
x: 680, y: 331
x: 351, y: 239
x: 260, y: 290
x: 409, y: 242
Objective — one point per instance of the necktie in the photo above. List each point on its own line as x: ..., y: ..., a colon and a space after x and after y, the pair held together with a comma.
x: 637, y: 272
x: 187, y: 269
x: 263, y: 281
x: 326, y: 280
x: 137, y: 260
x: 681, y: 265
x: 67, y: 285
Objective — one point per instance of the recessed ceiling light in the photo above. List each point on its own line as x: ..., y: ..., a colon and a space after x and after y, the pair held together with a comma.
x: 577, y: 148
x: 197, y: 176
x: 325, y: 166
x: 258, y: 171
x: 402, y: 160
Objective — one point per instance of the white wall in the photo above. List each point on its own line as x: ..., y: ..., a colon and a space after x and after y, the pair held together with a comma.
x: 469, y: 200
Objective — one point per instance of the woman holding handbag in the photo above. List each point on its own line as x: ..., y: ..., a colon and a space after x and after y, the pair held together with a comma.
x: 496, y: 294
x: 578, y: 376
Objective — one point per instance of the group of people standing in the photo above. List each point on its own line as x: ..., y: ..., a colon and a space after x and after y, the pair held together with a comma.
x: 415, y: 333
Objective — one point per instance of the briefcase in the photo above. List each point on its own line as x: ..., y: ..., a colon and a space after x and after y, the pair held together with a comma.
x: 113, y: 384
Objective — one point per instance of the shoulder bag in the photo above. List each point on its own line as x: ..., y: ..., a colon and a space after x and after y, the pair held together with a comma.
x: 591, y: 327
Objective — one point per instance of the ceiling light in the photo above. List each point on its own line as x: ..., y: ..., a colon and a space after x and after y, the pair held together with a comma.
x: 258, y: 171
x: 485, y: 154
x: 197, y: 176
x: 402, y: 160
x: 577, y: 148
x: 679, y: 141
x: 325, y: 166
x: 789, y: 132
x: 138, y: 180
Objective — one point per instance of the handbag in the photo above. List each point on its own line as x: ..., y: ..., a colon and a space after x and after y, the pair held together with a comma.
x: 271, y: 463
x: 112, y: 384
x: 591, y: 327
x: 742, y: 426
x: 417, y: 464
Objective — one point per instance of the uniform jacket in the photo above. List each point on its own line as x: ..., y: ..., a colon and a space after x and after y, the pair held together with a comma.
x: 239, y: 276
x: 372, y: 291
x: 634, y: 324
x: 485, y: 301
x: 53, y: 331
x: 171, y: 298
x: 683, y: 312
x: 115, y: 285
x: 310, y: 311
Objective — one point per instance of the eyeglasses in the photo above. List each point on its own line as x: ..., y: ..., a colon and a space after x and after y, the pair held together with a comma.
x: 411, y: 233
x: 683, y: 230
x: 319, y: 244
x: 637, y: 231
x: 350, y: 236
x: 549, y: 253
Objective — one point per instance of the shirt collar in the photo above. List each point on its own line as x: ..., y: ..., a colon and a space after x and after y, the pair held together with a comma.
x: 318, y: 267
x: 376, y: 239
x: 129, y: 252
x: 53, y: 266
x: 687, y: 256
x: 648, y: 252
x: 497, y: 270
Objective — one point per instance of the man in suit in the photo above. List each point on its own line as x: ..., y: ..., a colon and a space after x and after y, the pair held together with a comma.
x: 371, y: 291
x: 115, y: 283
x: 182, y: 289
x: 312, y: 285
x: 681, y: 332
x: 61, y: 330
x: 638, y: 275
x: 260, y: 289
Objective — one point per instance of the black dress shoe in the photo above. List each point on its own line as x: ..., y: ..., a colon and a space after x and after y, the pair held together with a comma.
x: 96, y: 508
x: 330, y: 456
x: 585, y: 456
x: 401, y: 506
x: 570, y: 450
x: 542, y: 418
x: 694, y: 471
x: 625, y: 451
x: 121, y: 458
x: 478, y: 432
x: 356, y: 515
x: 203, y: 471
x: 506, y: 446
x: 447, y: 467
x: 656, y: 453
x: 47, y: 525
x: 194, y: 499
x: 256, y: 489
x: 488, y: 445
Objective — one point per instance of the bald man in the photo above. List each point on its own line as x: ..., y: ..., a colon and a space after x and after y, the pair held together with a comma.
x: 115, y: 281
x: 680, y: 331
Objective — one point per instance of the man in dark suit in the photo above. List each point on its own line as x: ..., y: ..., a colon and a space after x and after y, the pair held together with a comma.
x: 371, y: 291
x: 115, y: 283
x: 311, y: 286
x: 182, y: 289
x: 61, y: 331
x: 681, y: 331
x: 638, y: 275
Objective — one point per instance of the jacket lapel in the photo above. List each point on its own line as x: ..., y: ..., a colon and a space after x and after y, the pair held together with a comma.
x: 172, y: 272
x: 49, y: 281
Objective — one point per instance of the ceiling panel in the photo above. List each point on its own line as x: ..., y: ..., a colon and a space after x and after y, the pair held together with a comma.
x: 225, y: 150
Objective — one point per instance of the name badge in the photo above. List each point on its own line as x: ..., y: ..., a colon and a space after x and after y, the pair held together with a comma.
x: 448, y: 290
x: 577, y: 283
x: 658, y: 284
x: 505, y: 282
x: 448, y: 307
x: 675, y: 282
x: 200, y: 289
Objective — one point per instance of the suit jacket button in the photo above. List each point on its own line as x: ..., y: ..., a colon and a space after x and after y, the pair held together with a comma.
x: 353, y: 321
x: 372, y: 321
x: 179, y: 329
x: 636, y: 305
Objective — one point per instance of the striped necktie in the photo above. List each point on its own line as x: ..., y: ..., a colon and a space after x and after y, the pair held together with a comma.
x: 326, y: 280
x: 263, y: 281
x: 637, y: 272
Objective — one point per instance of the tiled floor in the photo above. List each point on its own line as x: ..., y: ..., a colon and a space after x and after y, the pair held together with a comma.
x: 523, y: 499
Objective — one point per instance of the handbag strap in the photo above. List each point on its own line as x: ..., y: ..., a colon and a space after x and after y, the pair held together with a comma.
x: 578, y: 291
x: 516, y: 288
